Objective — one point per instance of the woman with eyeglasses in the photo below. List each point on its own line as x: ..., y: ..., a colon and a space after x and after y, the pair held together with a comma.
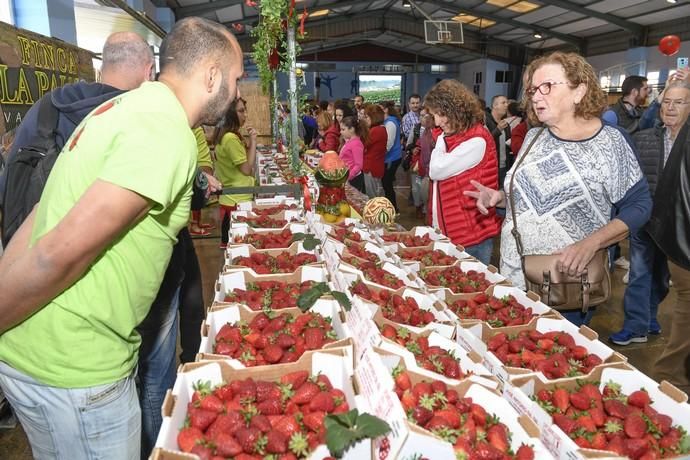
x: 235, y: 160
x: 579, y: 187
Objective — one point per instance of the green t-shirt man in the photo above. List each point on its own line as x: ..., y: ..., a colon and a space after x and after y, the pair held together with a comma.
x: 85, y: 337
x: 231, y: 153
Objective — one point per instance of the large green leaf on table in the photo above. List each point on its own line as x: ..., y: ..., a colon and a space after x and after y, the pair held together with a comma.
x: 308, y: 240
x: 309, y: 298
x: 342, y: 299
x: 344, y: 430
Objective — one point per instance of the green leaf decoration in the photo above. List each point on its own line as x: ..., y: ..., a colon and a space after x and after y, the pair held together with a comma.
x: 310, y: 242
x: 298, y: 236
x: 344, y: 430
x: 308, y: 298
x: 342, y: 299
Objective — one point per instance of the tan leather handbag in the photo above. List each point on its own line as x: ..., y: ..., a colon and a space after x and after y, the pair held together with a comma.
x: 557, y: 289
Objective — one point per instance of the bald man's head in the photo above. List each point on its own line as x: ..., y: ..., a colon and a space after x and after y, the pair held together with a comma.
x: 127, y: 60
x: 194, y: 40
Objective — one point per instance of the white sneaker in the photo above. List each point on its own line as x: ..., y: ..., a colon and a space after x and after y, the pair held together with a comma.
x: 622, y: 262
x: 626, y: 277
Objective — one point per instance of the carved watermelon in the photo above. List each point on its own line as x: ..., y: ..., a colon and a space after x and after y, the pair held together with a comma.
x: 331, y: 171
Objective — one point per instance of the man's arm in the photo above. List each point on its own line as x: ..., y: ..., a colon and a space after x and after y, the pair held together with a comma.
x: 30, y: 277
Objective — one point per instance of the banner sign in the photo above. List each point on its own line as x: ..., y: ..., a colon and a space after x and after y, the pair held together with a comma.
x: 30, y: 66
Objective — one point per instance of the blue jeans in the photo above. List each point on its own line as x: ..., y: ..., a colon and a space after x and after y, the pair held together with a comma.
x: 576, y: 317
x: 647, y: 283
x: 100, y: 422
x: 482, y: 251
x: 156, y: 364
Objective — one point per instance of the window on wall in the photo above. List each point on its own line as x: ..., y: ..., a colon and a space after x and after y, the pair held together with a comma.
x: 380, y: 88
x: 653, y: 78
x: 6, y: 14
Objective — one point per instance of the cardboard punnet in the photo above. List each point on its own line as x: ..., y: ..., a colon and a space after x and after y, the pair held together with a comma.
x: 371, y: 310
x: 228, y: 281
x: 408, y: 279
x: 470, y: 362
x: 433, y: 233
x: 332, y: 363
x: 266, y: 203
x: 490, y: 272
x: 526, y: 299
x: 247, y: 250
x: 446, y: 247
x: 666, y: 398
x: 475, y: 337
x: 215, y: 320
x: 376, y: 385
x: 237, y: 233
x: 290, y: 217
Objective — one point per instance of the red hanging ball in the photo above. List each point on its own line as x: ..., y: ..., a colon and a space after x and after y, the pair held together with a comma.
x: 669, y: 45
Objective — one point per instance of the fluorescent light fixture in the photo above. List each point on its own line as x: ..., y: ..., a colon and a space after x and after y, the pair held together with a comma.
x: 537, y: 35
x: 671, y: 1
x: 407, y: 4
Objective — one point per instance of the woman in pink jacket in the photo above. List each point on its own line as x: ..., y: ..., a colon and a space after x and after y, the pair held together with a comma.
x: 352, y: 153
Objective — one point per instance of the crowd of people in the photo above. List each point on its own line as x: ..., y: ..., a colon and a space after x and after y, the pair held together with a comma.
x: 102, y: 276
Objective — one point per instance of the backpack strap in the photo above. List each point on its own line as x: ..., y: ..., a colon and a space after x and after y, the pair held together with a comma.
x: 46, y: 126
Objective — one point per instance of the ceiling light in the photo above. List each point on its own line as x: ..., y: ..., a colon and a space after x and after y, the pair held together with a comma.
x: 671, y: 1
x: 318, y: 13
x: 537, y: 35
x: 406, y: 4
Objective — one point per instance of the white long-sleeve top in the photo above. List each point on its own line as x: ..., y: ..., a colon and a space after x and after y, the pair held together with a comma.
x: 444, y: 164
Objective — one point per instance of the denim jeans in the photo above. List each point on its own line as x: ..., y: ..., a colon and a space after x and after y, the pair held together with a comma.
x: 647, y: 283
x: 100, y: 422
x: 577, y: 318
x: 157, y: 362
x: 482, y: 251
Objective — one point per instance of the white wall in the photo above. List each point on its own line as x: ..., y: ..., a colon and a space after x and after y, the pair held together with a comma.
x: 467, y: 71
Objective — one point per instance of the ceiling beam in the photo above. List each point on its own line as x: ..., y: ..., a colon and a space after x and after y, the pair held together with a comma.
x: 203, y: 8
x: 630, y: 26
x: 457, y: 6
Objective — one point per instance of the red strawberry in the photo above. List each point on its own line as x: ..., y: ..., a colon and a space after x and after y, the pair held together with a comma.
x: 635, y: 448
x: 598, y: 416
x: 314, y: 420
x: 285, y: 341
x: 276, y: 442
x: 615, y: 408
x: 323, y: 381
x: 261, y: 423
x: 564, y: 423
x: 287, y: 425
x: 591, y: 391
x: 295, y: 379
x: 270, y: 407
x: 524, y: 452
x: 226, y: 423
x: 452, y: 416
x: 478, y: 414
x: 402, y: 380
x: 635, y: 426
x: 306, y: 393
x: 599, y: 441
x: 272, y: 353
x: 421, y: 415
x: 322, y: 402
x: 267, y: 390
x: 188, y: 437
x: 561, y: 399
x: 544, y: 395
x: 586, y: 423
x: 579, y: 401
x: 226, y: 445
x: 313, y: 338
x: 202, y: 451
x: 639, y: 398
x: 497, y: 436
x: 200, y: 418
x: 247, y: 438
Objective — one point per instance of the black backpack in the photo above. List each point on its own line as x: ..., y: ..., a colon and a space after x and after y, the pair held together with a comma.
x: 27, y: 171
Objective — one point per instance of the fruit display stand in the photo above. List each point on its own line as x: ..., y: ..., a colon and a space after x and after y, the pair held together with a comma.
x: 656, y: 399
x: 512, y: 345
x: 408, y: 440
x: 582, y: 341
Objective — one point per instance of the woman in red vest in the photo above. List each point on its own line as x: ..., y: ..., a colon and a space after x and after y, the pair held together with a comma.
x: 464, y: 151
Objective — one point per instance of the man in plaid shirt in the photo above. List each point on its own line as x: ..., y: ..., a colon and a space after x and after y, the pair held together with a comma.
x: 411, y: 118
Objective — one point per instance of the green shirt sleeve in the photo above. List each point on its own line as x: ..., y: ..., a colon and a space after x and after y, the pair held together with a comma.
x: 155, y: 170
x: 203, y: 153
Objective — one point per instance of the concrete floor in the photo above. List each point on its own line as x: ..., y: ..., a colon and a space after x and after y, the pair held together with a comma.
x: 608, y: 318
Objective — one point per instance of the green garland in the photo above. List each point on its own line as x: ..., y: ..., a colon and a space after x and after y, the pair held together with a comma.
x: 270, y: 34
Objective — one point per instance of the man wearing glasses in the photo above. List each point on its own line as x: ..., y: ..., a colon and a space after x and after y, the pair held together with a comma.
x: 670, y: 224
x: 649, y: 278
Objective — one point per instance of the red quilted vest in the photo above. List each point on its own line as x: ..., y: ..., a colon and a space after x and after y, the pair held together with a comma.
x: 458, y: 216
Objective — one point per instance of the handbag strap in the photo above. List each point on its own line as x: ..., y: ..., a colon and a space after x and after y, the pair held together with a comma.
x: 514, y: 231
